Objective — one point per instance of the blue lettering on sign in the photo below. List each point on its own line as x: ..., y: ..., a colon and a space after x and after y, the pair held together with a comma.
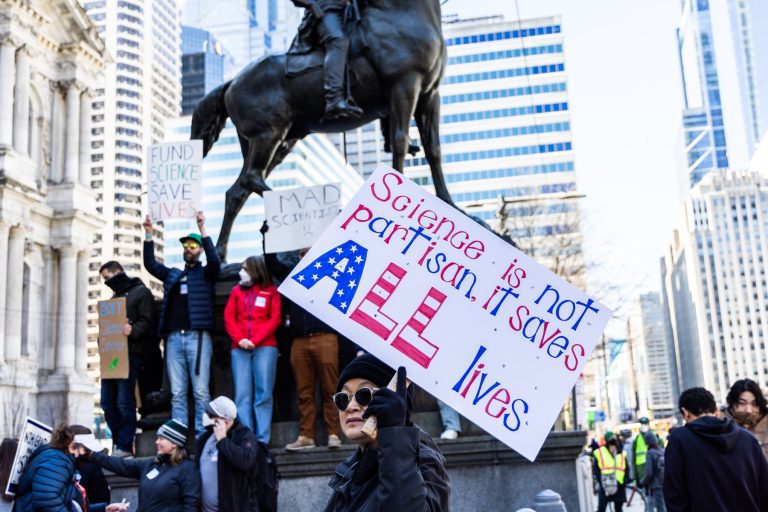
x: 344, y: 264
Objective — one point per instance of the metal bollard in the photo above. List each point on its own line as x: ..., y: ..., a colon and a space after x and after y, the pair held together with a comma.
x: 549, y: 501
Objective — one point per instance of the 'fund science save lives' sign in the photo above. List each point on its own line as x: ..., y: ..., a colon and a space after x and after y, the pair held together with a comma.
x: 476, y: 322
x: 175, y: 179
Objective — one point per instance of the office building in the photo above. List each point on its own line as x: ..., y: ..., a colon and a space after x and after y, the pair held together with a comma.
x: 506, y: 138
x: 714, y: 283
x: 142, y: 90
x: 51, y: 63
x: 313, y: 161
x: 202, y: 66
x: 652, y: 360
x: 723, y: 54
x: 248, y: 29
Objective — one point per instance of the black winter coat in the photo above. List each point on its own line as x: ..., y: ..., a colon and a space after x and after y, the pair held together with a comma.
x: 201, y: 280
x: 302, y: 323
x: 162, y: 488
x: 93, y: 480
x: 405, y: 473
x: 713, y: 464
x: 237, y: 464
x: 140, y: 304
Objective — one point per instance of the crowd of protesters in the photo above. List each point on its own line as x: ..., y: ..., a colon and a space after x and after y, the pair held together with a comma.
x: 400, y: 469
x: 716, y: 461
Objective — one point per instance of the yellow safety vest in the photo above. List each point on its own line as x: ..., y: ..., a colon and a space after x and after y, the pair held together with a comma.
x: 608, y: 464
x: 640, y: 450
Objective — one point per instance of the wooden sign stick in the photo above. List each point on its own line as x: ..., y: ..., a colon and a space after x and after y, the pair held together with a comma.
x: 369, y: 428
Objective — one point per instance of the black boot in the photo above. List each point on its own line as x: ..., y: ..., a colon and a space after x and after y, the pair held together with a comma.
x: 341, y: 108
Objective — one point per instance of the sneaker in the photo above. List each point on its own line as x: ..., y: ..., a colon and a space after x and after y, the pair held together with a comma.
x: 117, y: 452
x: 449, y: 435
x: 334, y: 441
x: 302, y: 443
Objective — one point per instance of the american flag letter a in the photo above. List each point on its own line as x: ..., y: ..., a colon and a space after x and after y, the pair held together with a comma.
x: 344, y: 264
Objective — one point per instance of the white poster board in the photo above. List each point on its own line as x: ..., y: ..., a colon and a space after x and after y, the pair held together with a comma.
x: 33, y: 435
x: 476, y: 322
x: 175, y: 179
x: 297, y: 216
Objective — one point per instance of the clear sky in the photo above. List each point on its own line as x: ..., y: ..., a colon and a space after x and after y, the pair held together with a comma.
x: 625, y: 97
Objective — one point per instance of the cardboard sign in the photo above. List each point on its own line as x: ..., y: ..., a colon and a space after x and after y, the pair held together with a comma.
x: 113, y: 344
x: 476, y: 322
x: 175, y: 179
x: 33, y: 434
x: 297, y: 216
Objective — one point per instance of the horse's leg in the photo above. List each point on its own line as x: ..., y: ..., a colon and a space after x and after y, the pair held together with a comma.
x: 283, y: 150
x: 236, y: 197
x: 402, y: 102
x: 428, y: 122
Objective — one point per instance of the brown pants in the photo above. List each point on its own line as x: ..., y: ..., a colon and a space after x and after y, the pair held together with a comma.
x: 316, y: 357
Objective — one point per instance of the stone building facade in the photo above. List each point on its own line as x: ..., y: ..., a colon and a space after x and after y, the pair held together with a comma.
x: 52, y: 61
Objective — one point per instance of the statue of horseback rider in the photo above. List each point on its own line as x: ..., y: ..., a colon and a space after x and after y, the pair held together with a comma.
x: 325, y: 20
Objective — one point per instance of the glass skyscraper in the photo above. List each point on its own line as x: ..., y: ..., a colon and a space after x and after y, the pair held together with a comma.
x: 725, y: 105
x: 202, y: 66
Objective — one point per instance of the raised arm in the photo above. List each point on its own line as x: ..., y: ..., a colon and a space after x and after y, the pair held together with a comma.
x: 129, y: 468
x: 153, y: 266
x: 213, y: 262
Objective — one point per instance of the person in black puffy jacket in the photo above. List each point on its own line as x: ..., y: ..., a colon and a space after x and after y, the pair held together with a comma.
x: 47, y: 482
x: 402, y: 469
x: 169, y: 482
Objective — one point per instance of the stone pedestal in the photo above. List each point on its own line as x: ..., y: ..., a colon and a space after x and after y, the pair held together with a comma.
x: 66, y: 397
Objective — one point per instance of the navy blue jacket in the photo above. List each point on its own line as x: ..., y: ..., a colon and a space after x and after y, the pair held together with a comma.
x: 46, y: 484
x: 713, y: 464
x: 201, y: 282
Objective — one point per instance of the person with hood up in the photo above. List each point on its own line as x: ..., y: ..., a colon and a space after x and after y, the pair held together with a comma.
x: 168, y: 482
x: 748, y: 408
x: 653, y: 477
x: 226, y: 457
x: 712, y: 463
x: 402, y: 469
x: 118, y: 398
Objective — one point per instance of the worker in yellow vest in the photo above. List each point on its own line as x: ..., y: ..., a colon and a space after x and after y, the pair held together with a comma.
x: 638, y: 458
x: 609, y: 471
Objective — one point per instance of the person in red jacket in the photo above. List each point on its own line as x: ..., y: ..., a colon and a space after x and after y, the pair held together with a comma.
x: 251, y: 319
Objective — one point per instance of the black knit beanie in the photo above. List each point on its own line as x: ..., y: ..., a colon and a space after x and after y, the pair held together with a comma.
x: 366, y: 367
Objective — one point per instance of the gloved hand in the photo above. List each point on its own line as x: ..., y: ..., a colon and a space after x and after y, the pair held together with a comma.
x: 391, y: 408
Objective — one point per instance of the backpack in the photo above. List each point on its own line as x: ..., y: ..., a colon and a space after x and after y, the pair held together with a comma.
x: 265, y: 479
x: 610, y: 484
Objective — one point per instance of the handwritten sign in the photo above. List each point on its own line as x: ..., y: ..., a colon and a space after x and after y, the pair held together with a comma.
x: 476, y: 322
x: 297, y: 216
x: 175, y: 179
x: 33, y: 435
x: 113, y: 344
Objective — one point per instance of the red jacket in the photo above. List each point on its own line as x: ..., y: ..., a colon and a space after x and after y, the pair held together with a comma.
x: 253, y: 314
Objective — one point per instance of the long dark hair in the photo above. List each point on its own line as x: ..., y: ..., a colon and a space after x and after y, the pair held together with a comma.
x: 739, y: 387
x: 256, y: 266
x: 7, y: 453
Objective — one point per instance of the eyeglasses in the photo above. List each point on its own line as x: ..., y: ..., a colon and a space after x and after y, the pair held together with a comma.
x: 191, y: 245
x: 362, y: 396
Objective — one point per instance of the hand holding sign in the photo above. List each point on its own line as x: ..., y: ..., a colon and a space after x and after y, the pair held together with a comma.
x: 388, y: 408
x: 147, y: 225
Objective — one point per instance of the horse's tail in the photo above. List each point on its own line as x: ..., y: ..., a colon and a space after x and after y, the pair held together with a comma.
x: 209, y: 117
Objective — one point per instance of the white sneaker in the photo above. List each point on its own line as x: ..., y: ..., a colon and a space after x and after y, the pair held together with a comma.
x: 334, y: 441
x: 449, y: 435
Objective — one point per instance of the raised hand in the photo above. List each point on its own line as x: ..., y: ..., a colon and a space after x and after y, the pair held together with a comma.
x: 390, y: 407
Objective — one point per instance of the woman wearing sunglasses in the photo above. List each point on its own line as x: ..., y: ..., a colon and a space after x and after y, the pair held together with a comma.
x: 402, y: 469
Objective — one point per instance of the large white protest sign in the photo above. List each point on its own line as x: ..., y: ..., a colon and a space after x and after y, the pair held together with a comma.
x: 475, y: 321
x: 175, y: 179
x: 33, y: 435
x: 297, y: 216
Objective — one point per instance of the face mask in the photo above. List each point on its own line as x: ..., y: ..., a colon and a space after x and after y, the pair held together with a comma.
x: 644, y: 428
x: 245, y: 277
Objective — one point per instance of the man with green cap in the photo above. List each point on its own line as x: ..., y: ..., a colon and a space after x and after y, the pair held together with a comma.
x: 186, y: 317
x: 609, y: 468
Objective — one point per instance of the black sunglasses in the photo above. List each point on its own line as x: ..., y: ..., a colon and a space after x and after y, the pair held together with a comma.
x: 362, y: 396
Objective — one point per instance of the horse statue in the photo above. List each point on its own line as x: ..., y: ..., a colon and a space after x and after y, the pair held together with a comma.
x: 395, y: 79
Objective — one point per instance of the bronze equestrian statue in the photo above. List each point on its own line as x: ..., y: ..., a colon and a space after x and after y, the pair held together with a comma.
x: 395, y: 79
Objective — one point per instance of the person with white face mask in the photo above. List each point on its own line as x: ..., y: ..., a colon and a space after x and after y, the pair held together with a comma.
x: 251, y: 319
x: 639, y: 456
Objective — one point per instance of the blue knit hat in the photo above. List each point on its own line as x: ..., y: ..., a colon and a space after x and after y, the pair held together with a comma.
x: 174, y: 431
